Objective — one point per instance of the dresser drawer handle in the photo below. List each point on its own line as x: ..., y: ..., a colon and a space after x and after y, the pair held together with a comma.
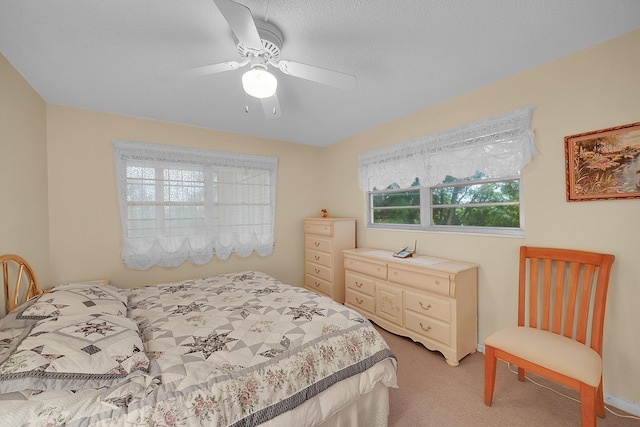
x: 428, y: 307
x: 317, y: 270
x: 317, y: 284
x: 359, y: 284
x: 359, y: 301
x: 427, y: 329
x: 316, y: 257
x: 316, y: 244
x: 437, y: 282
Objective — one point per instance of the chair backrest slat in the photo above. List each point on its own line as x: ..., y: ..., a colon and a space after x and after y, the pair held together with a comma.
x: 564, y: 291
x: 585, y: 302
x: 558, y: 294
x: 572, y: 296
x: 16, y: 266
x: 546, y: 294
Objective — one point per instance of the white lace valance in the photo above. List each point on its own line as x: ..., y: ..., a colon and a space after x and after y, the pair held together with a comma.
x: 499, y: 147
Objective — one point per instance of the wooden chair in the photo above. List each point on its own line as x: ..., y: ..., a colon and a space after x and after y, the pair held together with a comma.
x: 25, y: 283
x: 562, y: 296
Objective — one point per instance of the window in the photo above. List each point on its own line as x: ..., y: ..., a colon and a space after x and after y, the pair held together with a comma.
x: 180, y: 204
x: 478, y: 204
x: 464, y: 179
x: 164, y: 199
x: 395, y: 205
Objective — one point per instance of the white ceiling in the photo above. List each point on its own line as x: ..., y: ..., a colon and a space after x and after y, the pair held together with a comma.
x: 110, y: 55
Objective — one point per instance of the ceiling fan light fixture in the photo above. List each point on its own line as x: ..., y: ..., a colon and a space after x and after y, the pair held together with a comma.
x: 259, y: 83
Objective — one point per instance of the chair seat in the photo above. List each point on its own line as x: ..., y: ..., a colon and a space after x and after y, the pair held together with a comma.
x: 550, y: 350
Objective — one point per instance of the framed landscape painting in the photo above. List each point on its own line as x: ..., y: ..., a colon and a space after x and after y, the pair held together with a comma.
x: 603, y: 164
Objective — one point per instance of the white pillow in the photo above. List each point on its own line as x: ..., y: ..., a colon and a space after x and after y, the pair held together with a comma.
x: 75, y: 298
x: 71, y: 353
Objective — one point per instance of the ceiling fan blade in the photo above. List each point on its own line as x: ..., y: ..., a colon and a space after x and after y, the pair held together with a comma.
x: 206, y: 70
x: 317, y: 74
x: 271, y: 107
x: 241, y: 22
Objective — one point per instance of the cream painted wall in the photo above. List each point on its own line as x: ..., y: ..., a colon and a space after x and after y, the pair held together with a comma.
x: 24, y: 228
x: 83, y: 207
x: 593, y: 89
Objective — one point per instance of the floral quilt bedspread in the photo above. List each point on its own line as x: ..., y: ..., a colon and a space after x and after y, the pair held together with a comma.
x: 229, y: 350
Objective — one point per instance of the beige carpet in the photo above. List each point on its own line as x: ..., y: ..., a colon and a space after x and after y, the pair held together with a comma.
x: 432, y: 393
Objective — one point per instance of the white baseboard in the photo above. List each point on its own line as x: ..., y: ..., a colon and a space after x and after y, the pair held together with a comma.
x: 625, y: 405
x: 609, y: 399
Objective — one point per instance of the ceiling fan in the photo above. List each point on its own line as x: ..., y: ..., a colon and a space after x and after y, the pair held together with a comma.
x: 259, y: 43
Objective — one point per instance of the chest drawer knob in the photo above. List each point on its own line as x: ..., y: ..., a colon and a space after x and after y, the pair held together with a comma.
x: 428, y: 307
x: 359, y: 301
x: 427, y: 329
x: 316, y: 244
x: 359, y: 284
x: 317, y: 258
x: 317, y: 270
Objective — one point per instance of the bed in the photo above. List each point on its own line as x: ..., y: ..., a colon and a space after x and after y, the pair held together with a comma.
x: 237, y: 349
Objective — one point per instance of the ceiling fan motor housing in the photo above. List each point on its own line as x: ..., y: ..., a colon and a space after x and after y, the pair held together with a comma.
x: 271, y: 38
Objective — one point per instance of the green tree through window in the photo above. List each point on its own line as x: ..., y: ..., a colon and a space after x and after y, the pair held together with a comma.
x: 476, y: 203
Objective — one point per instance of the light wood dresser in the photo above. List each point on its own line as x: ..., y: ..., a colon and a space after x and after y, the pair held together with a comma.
x: 325, y: 239
x: 431, y: 300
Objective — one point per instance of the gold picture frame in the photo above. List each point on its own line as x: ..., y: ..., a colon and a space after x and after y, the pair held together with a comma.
x: 603, y: 164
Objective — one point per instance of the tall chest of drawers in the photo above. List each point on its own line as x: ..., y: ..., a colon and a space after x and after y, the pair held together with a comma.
x: 430, y: 300
x: 325, y: 239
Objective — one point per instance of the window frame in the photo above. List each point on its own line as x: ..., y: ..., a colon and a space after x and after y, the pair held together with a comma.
x: 426, y: 207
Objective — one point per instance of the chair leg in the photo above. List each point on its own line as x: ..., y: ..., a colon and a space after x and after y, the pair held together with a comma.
x: 600, y: 401
x: 489, y: 374
x: 588, y: 405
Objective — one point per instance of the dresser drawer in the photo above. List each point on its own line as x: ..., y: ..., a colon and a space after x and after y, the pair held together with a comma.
x: 428, y: 305
x: 360, y: 301
x: 319, y: 228
x: 375, y: 269
x: 322, y: 258
x: 428, y: 327
x: 316, y: 284
x: 429, y: 281
x: 317, y: 243
x: 319, y: 271
x: 362, y: 284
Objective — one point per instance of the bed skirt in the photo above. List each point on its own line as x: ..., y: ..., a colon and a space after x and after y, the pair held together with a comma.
x: 366, y: 397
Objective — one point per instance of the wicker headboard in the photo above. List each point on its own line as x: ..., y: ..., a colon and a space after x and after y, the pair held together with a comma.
x: 20, y: 281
